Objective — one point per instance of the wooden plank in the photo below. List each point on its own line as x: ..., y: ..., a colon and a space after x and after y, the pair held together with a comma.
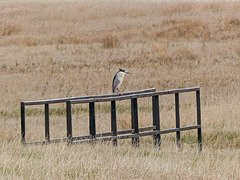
x: 23, y: 123
x: 93, y: 140
x: 177, y: 119
x: 69, y: 122
x: 114, y: 121
x: 165, y: 131
x: 62, y: 100
x: 37, y: 142
x: 75, y: 138
x: 92, y: 123
x: 160, y: 131
x: 156, y: 120
x: 110, y: 133
x: 141, y: 129
x: 134, y: 120
x: 81, y: 137
x: 134, y: 96
x: 140, y: 134
x: 199, y: 120
x: 87, y: 137
x: 47, y: 141
x: 47, y: 132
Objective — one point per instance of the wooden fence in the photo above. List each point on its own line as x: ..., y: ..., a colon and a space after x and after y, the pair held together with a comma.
x: 135, y: 132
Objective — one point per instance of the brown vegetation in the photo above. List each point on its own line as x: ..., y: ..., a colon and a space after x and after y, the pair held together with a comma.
x: 73, y: 48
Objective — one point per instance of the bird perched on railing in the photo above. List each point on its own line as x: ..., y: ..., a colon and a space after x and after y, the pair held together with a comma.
x: 118, y: 79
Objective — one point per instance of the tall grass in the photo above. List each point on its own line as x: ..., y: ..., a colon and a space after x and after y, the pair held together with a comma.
x: 73, y: 48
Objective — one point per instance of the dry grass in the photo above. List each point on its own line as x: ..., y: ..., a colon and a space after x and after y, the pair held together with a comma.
x: 73, y: 48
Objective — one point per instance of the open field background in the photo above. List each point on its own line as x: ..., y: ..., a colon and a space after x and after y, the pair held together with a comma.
x: 72, y: 48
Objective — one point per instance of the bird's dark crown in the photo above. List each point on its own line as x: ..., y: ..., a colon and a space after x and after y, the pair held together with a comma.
x: 122, y: 70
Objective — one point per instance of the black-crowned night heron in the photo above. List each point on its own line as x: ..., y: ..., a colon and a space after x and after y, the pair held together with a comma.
x: 118, y: 79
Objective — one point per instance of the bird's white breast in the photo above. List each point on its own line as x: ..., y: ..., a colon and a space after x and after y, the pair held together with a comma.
x: 120, y: 77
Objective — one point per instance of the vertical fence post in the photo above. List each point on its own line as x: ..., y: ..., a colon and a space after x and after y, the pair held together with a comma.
x: 92, y: 124
x: 199, y: 120
x: 177, y: 118
x: 47, y: 133
x: 114, y: 122
x: 69, y: 122
x: 22, y: 122
x: 134, y: 119
x: 156, y: 120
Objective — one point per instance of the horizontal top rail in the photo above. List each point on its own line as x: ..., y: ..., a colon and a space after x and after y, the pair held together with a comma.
x: 132, y: 96
x: 61, y: 100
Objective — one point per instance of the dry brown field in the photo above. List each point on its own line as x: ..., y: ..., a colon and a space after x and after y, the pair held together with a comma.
x: 67, y: 48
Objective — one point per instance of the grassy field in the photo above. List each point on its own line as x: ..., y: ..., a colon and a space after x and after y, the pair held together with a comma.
x: 65, y: 48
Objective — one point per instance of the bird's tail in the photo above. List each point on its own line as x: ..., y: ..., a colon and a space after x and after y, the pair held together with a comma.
x: 113, y: 89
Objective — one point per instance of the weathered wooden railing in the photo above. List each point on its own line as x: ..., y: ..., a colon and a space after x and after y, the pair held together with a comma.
x: 114, y: 135
x: 69, y: 124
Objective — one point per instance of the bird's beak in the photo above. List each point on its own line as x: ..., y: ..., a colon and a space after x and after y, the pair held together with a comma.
x: 127, y: 72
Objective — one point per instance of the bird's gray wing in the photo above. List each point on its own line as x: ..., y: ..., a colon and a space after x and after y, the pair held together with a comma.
x: 115, y: 83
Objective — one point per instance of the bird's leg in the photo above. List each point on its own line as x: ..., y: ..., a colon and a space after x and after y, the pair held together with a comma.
x: 118, y: 91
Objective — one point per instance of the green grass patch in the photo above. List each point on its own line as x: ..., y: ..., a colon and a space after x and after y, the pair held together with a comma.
x: 222, y: 139
x: 31, y: 154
